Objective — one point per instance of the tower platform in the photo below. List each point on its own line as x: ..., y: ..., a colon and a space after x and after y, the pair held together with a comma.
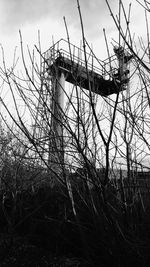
x: 72, y: 64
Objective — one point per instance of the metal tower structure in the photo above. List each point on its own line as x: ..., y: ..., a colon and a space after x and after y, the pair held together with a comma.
x: 69, y: 59
x: 63, y: 62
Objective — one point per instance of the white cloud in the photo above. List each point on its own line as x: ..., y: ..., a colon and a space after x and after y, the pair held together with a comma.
x: 16, y: 14
x: 47, y: 16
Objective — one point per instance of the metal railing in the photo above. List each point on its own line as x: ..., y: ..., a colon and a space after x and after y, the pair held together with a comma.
x: 76, y: 55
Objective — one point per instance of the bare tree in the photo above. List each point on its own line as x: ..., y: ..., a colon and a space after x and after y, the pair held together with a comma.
x: 87, y: 144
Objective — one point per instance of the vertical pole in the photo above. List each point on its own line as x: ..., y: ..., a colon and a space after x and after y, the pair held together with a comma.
x: 59, y: 104
x: 56, y: 149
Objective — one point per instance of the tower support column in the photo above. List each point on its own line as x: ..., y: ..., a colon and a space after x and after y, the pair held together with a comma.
x: 56, y: 149
x: 58, y: 103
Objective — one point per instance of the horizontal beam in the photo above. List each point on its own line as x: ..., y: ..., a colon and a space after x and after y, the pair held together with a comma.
x: 77, y: 75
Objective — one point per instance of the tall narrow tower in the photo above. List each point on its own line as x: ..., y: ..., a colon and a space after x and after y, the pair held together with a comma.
x: 66, y: 62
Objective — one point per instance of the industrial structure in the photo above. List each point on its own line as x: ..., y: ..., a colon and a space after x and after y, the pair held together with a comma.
x: 64, y: 62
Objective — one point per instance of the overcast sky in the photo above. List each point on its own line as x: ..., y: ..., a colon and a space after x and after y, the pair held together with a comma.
x: 47, y: 16
x: 20, y: 13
